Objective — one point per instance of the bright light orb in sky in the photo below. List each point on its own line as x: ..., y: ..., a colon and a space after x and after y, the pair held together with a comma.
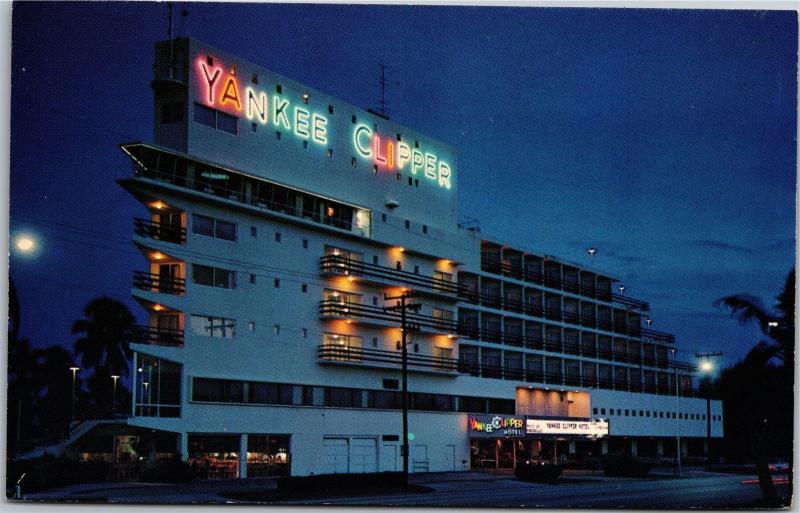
x: 25, y: 243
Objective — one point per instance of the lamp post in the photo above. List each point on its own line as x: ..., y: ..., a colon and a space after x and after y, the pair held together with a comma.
x: 114, y: 395
x: 72, y: 408
x: 707, y: 367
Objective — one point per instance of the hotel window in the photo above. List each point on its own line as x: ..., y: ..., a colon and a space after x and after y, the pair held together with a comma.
x: 594, y: 411
x: 304, y: 332
x: 305, y: 98
x: 602, y: 411
x: 171, y: 112
x: 211, y: 227
x: 305, y: 243
x: 442, y: 280
x: 216, y: 119
x: 330, y: 153
x: 253, y: 127
x: 330, y: 109
x: 304, y: 288
x: 278, y: 88
x: 444, y: 318
x: 349, y: 255
x: 443, y: 356
x: 305, y: 145
x: 416, y: 269
x: 213, y: 277
x: 408, y: 224
x: 217, y: 390
x: 251, y: 326
x: 217, y: 327
x: 344, y: 298
x: 254, y: 79
x: 341, y: 348
x: 627, y: 413
x: 383, y: 217
x: 353, y: 161
x: 270, y: 393
x: 343, y: 397
x: 277, y: 236
x: 354, y: 120
x: 253, y: 231
x: 276, y: 329
x: 277, y: 283
x: 424, y: 228
x: 253, y: 279
x: 278, y: 135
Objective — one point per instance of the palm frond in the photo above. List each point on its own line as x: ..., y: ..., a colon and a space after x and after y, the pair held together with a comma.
x: 746, y: 308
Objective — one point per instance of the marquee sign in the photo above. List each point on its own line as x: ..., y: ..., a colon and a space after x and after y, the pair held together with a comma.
x: 221, y: 89
x: 590, y: 428
x: 495, y: 426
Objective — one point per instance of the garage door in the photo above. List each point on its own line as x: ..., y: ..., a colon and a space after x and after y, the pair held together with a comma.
x: 336, y: 454
x: 364, y: 455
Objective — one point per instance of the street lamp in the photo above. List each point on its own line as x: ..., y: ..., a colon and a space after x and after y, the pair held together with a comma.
x: 707, y: 367
x: 72, y: 409
x: 114, y: 396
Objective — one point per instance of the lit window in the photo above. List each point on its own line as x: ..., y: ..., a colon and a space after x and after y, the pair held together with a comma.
x: 251, y: 326
x: 305, y: 99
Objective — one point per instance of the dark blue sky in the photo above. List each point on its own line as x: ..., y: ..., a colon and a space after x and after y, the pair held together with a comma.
x: 664, y: 138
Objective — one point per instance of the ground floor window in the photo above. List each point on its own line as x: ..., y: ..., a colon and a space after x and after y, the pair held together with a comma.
x: 214, y: 456
x: 267, y: 455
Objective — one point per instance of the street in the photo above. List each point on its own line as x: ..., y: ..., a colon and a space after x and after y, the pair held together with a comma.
x: 695, y: 489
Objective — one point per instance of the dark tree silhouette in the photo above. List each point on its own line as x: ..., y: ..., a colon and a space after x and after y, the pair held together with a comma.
x: 107, y: 331
x: 759, y: 390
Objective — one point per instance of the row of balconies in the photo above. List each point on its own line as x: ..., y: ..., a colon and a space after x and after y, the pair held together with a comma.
x: 518, y: 272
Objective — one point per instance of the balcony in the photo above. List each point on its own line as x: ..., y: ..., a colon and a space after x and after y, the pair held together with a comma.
x: 159, y: 231
x: 333, y: 354
x: 157, y: 283
x: 341, y: 265
x: 157, y: 336
x: 330, y: 309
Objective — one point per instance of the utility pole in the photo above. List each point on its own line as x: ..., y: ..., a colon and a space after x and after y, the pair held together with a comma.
x: 677, y: 419
x: 402, y: 305
x: 706, y: 367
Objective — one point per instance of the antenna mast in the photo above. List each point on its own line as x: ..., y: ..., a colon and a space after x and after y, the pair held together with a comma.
x: 382, y: 82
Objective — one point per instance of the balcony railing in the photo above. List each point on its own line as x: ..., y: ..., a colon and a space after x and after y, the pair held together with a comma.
x: 658, y: 336
x: 339, y: 264
x: 334, y: 309
x: 331, y: 353
x: 157, y: 336
x: 157, y: 283
x: 159, y: 231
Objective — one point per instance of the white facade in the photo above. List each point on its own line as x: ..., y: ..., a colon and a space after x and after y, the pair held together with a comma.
x: 265, y: 299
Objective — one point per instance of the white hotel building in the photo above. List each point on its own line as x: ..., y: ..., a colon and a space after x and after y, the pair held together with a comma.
x: 278, y: 218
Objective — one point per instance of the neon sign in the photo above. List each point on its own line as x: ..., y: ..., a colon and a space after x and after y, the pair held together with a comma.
x: 589, y: 428
x: 220, y: 88
x: 389, y: 154
x: 222, y: 91
x: 484, y: 425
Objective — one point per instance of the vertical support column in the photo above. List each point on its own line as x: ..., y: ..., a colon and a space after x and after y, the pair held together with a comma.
x: 243, y: 456
x: 135, y: 383
x: 183, y: 445
x: 634, y: 447
x: 604, y: 447
x: 684, y: 447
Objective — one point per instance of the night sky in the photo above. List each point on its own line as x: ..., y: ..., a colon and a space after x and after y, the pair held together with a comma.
x: 664, y: 138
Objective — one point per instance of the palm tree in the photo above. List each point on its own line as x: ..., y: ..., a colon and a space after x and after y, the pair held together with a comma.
x: 107, y: 331
x: 770, y: 368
